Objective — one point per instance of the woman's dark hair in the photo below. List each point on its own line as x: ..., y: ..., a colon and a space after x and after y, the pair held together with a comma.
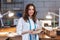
x: 26, y: 15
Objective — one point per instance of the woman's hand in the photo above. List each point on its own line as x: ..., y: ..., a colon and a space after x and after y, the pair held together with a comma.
x: 25, y: 32
x: 37, y: 31
x: 31, y: 31
x: 34, y: 32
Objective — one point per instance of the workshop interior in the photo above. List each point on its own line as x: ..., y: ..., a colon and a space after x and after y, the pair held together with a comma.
x: 48, y: 15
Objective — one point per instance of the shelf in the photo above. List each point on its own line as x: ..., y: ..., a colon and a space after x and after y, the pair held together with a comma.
x: 13, y: 3
x: 14, y: 8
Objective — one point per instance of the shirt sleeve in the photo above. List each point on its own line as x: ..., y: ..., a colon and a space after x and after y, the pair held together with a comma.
x: 19, y: 27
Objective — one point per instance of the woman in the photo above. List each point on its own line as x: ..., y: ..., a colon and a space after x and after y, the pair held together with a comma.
x: 28, y: 24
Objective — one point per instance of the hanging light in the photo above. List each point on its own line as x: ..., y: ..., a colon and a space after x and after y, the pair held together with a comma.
x: 10, y: 14
x: 48, y: 16
x: 1, y: 16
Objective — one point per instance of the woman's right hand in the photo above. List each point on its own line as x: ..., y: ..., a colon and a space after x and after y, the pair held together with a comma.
x: 31, y: 31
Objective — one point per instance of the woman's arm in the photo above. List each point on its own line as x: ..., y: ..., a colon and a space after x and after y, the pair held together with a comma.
x: 19, y: 27
x: 25, y: 32
x: 38, y: 29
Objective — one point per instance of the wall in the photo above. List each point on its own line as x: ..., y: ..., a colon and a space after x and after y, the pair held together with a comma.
x: 43, y: 6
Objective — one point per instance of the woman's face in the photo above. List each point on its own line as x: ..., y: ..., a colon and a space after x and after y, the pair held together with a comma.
x: 31, y: 11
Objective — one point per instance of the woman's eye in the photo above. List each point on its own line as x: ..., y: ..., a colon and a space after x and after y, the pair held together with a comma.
x: 31, y: 9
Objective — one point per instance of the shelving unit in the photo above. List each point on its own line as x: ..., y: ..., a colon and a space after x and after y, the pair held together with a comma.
x: 15, y: 6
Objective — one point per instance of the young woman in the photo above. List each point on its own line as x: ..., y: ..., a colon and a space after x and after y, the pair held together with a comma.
x: 28, y: 25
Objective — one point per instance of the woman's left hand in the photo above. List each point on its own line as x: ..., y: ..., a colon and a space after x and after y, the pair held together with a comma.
x: 35, y: 32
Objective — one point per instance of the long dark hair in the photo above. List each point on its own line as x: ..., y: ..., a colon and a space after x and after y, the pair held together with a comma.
x: 26, y: 15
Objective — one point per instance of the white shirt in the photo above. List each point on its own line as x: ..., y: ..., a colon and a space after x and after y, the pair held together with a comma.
x: 25, y: 26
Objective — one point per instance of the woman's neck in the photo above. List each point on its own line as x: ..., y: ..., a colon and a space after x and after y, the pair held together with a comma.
x: 30, y: 17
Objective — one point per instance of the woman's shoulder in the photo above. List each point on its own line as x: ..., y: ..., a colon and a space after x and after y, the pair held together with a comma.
x: 21, y: 18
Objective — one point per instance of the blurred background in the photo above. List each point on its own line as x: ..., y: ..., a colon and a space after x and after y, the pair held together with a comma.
x: 18, y: 6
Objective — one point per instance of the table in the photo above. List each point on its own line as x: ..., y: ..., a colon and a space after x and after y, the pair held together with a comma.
x: 10, y: 37
x: 9, y: 29
x: 15, y: 38
x: 47, y: 35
